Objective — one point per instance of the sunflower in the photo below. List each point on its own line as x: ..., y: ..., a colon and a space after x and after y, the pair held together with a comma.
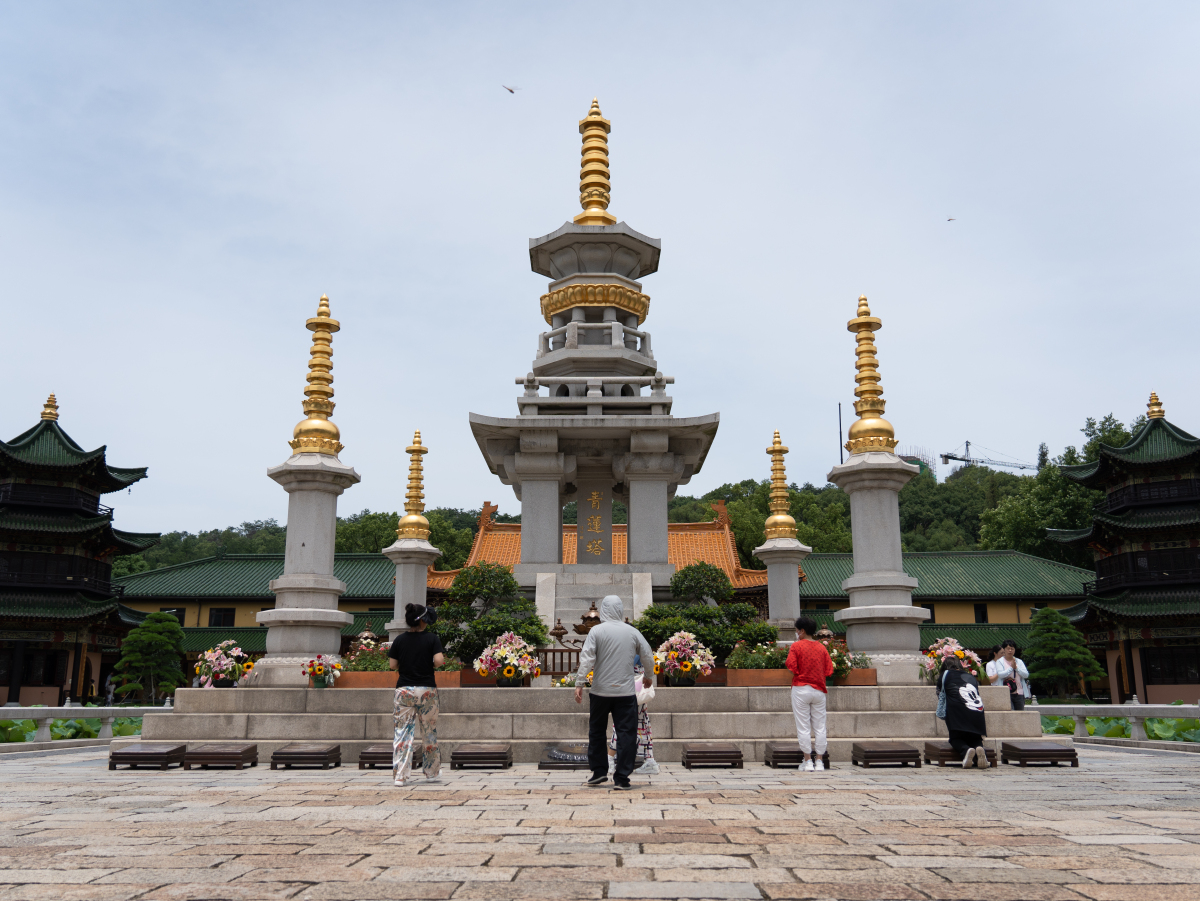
x: 337, y: 666
x: 320, y: 670
x: 509, y: 672
x: 537, y: 672
x: 482, y: 672
x: 686, y: 666
x: 197, y: 669
x: 657, y: 669
x: 248, y: 665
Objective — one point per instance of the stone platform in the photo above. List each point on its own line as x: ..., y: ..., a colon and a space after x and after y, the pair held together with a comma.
x: 532, y: 718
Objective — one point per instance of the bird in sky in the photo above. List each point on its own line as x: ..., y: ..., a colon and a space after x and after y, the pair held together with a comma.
x: 951, y: 220
x: 510, y: 90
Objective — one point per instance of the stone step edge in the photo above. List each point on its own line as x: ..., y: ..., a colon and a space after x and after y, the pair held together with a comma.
x: 667, y: 750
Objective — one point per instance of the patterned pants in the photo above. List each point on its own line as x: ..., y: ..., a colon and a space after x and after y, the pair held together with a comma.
x: 412, y: 704
x: 645, y: 741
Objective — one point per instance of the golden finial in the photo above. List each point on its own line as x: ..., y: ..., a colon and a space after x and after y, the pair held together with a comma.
x: 780, y: 523
x: 1155, y: 407
x: 317, y: 434
x: 870, y: 431
x: 50, y: 409
x: 413, y: 524
x: 594, y: 186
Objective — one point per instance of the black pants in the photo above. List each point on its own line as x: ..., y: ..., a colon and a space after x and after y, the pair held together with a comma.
x: 962, y: 742
x: 1017, y: 701
x: 624, y: 717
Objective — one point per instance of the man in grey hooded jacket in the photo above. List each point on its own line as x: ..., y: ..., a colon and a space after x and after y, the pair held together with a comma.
x: 608, y: 654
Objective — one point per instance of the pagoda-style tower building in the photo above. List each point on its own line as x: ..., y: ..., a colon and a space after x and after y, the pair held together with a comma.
x: 1144, y: 606
x: 59, y: 613
x: 594, y: 421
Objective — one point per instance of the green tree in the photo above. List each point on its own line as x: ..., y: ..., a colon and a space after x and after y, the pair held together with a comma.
x: 945, y: 516
x: 699, y: 581
x: 1048, y: 500
x: 453, y: 541
x: 1043, y: 456
x: 718, y: 628
x: 365, y: 532
x: 151, y: 656
x: 1058, y: 655
x: 485, y: 602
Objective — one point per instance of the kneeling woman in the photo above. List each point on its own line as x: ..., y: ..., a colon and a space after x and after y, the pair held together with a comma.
x: 414, y: 656
x: 965, y: 720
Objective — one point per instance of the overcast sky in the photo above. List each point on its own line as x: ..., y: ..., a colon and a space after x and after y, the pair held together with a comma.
x: 180, y: 182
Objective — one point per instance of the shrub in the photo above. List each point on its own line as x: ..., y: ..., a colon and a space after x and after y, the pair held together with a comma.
x: 720, y: 629
x: 485, y: 603
x: 757, y: 656
x: 699, y: 582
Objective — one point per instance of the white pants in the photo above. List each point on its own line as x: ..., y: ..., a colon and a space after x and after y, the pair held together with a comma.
x: 808, y: 706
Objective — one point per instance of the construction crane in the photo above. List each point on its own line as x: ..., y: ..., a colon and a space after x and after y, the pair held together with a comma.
x: 982, y: 461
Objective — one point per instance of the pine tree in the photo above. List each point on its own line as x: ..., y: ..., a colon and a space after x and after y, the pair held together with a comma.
x: 150, y: 656
x: 1043, y: 456
x: 1057, y: 654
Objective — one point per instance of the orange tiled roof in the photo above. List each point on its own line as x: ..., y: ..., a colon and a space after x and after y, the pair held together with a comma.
x: 687, y: 543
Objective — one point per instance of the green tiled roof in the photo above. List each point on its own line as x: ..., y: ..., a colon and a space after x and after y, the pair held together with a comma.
x: 55, y: 605
x: 197, y: 640
x: 1140, y: 603
x: 969, y: 635
x: 46, y: 446
x: 247, y: 575
x: 941, y: 574
x: 1158, y: 442
x: 956, y: 574
x: 71, y: 525
x: 1145, y: 519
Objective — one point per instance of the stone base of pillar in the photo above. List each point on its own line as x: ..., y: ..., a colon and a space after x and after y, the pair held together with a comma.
x: 413, y: 557
x: 889, y: 634
x: 783, y: 557
x: 296, y: 635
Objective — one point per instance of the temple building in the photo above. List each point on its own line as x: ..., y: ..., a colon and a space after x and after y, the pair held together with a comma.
x: 1142, y: 607
x: 61, y: 619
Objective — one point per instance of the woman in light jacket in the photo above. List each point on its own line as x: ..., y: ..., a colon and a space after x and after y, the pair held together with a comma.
x: 1011, y: 671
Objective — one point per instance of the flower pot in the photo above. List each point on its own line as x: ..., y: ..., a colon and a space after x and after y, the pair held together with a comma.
x: 678, y: 681
x: 468, y: 678
x: 514, y: 682
x: 375, y: 679
x: 224, y: 683
x: 759, y: 677
x: 318, y: 682
x: 448, y: 679
x: 858, y: 677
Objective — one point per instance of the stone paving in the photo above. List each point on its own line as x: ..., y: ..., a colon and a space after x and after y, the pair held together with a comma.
x: 1125, y: 825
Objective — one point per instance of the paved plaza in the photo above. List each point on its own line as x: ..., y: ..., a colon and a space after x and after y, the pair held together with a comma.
x: 1123, y: 826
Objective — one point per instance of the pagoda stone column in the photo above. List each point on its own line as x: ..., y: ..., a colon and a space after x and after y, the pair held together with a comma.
x: 306, y: 620
x: 782, y: 551
x: 540, y: 474
x: 412, y: 553
x: 650, y: 474
x: 881, y: 620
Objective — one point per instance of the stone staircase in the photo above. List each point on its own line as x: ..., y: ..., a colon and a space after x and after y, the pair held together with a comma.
x: 532, y: 718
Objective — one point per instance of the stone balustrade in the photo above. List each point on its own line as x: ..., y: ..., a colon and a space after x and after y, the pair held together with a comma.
x: 620, y: 335
x: 1137, y: 714
x: 44, y: 716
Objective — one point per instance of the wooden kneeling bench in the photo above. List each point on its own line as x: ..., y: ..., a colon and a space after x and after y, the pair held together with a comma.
x: 787, y: 754
x: 941, y: 753
x: 712, y: 753
x: 307, y: 754
x: 234, y: 755
x: 161, y: 755
x: 876, y: 753
x: 1042, y: 752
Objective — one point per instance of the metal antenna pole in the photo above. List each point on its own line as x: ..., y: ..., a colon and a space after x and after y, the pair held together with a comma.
x: 841, y: 458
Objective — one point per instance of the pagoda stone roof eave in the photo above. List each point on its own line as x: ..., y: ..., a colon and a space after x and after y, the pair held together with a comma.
x: 648, y: 249
x: 48, y: 452
x: 1158, y: 444
x: 591, y: 426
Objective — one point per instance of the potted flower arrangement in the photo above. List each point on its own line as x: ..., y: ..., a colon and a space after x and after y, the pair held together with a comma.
x: 510, y: 659
x: 682, y: 657
x: 758, y: 664
x: 222, y: 666
x: 935, y: 658
x: 570, y: 680
x: 322, y: 671
x: 849, y: 668
x: 366, y: 666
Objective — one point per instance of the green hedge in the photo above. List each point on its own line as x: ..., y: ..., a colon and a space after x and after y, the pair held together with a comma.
x: 24, y: 730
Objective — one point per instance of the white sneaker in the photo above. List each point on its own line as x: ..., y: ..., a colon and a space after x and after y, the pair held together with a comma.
x: 819, y: 765
x: 969, y: 758
x: 433, y: 778
x: 399, y: 783
x: 649, y: 768
x: 808, y: 765
x: 981, y: 760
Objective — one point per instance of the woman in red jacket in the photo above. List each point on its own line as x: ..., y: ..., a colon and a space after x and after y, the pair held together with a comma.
x: 811, y: 665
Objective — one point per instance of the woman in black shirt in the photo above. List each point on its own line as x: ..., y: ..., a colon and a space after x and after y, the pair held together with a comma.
x: 413, y: 656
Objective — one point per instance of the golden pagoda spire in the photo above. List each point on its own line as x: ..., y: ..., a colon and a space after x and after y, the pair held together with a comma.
x: 1155, y: 408
x: 870, y: 431
x: 317, y: 434
x: 780, y: 524
x: 50, y: 409
x: 413, y: 524
x: 594, y: 186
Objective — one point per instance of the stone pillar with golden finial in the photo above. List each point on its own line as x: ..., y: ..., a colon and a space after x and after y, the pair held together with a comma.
x: 305, y: 620
x: 411, y: 553
x: 782, y: 551
x: 881, y: 620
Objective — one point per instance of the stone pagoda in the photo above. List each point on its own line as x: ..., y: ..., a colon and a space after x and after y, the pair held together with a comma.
x: 881, y: 620
x: 594, y: 421
x: 782, y: 551
x: 306, y: 620
x: 1143, y: 608
x: 411, y: 553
